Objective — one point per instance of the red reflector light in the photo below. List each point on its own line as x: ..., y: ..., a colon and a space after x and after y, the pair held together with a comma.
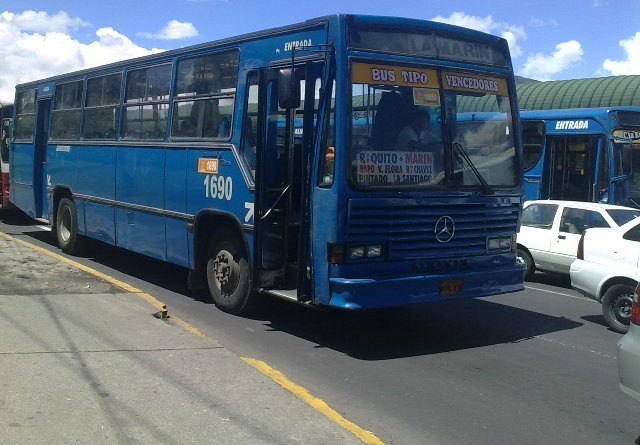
x: 635, y: 309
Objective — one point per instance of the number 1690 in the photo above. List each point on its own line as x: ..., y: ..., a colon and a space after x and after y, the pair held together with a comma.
x: 218, y: 187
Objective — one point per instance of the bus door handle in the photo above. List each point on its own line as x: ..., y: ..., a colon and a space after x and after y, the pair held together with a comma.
x: 276, y: 203
x: 562, y: 236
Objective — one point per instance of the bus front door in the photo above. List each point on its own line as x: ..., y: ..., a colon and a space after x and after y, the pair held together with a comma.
x: 569, y: 170
x: 282, y: 185
x: 40, y: 158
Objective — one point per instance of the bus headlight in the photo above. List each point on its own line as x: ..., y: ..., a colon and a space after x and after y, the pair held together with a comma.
x: 368, y: 251
x: 374, y: 251
x: 500, y: 244
x: 356, y: 252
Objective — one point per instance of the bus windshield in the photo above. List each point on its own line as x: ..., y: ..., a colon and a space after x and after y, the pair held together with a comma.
x: 407, y: 131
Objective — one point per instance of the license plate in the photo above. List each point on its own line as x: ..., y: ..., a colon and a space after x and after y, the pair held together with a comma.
x: 450, y: 288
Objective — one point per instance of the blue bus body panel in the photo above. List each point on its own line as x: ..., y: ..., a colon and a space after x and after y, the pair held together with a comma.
x: 95, y: 174
x: 374, y: 292
x: 140, y: 185
x: 175, y: 196
x: 225, y: 191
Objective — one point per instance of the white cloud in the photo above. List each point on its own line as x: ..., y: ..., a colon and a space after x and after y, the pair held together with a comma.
x: 540, y: 23
x: 41, y: 22
x: 36, y: 45
x: 511, y: 33
x: 172, y: 31
x: 629, y: 66
x: 544, y: 67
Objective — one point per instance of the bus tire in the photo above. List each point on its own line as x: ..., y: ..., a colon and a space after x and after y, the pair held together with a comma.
x: 67, y: 227
x: 229, y: 274
x: 523, y: 257
x: 616, y: 307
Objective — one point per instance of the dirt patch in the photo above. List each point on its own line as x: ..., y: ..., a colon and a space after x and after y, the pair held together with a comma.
x: 24, y: 271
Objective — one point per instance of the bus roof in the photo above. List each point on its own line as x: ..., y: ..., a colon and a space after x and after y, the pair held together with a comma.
x: 574, y: 113
x: 383, y: 21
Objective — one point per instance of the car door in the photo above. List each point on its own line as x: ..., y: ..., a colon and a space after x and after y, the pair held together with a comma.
x: 536, y: 230
x: 573, y: 221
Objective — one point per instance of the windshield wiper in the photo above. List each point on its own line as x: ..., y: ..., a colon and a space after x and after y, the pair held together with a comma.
x: 461, y: 154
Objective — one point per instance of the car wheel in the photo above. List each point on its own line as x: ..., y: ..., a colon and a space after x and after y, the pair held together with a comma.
x: 616, y: 306
x: 523, y: 257
x: 229, y: 275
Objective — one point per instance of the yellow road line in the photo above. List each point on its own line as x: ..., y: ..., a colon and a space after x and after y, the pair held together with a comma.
x: 318, y: 404
x: 365, y: 436
x: 157, y: 304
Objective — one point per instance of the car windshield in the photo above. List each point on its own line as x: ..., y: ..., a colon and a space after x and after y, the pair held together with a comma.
x: 623, y: 216
x: 411, y: 128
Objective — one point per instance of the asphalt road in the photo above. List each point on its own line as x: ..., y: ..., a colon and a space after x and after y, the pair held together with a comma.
x: 534, y: 367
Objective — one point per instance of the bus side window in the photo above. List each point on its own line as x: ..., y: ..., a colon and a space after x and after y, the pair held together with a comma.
x: 249, y: 125
x: 327, y: 159
x: 532, y: 141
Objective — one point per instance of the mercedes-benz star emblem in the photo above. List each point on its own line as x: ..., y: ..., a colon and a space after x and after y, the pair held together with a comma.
x: 444, y: 229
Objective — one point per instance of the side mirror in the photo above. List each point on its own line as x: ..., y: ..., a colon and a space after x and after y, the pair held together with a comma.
x: 288, y: 89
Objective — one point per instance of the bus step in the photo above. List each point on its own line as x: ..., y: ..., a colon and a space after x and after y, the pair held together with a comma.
x: 287, y: 294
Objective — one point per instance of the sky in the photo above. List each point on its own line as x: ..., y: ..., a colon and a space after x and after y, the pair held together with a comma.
x: 548, y: 39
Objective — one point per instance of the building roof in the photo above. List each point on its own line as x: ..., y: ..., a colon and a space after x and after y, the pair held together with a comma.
x: 610, y: 91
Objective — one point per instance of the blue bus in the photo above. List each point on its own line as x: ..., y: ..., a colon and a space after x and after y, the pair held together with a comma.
x: 587, y: 154
x: 267, y: 163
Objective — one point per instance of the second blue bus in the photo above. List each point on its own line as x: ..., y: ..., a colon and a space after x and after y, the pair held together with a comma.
x: 585, y: 154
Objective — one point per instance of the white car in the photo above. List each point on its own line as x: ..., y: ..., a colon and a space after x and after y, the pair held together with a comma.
x: 629, y: 353
x: 606, y: 269
x: 550, y: 231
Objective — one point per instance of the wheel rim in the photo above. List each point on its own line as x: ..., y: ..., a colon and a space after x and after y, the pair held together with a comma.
x: 64, y: 227
x: 622, y: 306
x: 226, y: 271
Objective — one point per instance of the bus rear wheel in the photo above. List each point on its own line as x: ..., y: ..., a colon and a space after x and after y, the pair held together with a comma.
x: 67, y: 227
x: 229, y: 275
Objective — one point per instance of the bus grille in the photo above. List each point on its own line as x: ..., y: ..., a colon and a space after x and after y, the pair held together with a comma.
x: 407, y: 226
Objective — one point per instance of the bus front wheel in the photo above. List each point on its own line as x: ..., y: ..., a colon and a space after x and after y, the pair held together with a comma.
x: 67, y: 227
x: 228, y: 274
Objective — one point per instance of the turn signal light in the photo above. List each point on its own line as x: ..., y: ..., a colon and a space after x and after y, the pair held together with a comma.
x: 336, y: 253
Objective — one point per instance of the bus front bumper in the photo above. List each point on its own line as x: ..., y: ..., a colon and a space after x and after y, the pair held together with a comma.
x: 371, y: 293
